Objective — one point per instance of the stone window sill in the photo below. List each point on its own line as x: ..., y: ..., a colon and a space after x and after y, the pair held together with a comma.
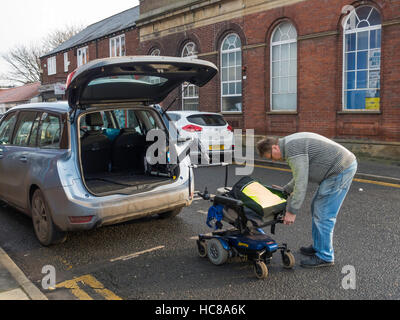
x: 283, y: 112
x: 360, y: 112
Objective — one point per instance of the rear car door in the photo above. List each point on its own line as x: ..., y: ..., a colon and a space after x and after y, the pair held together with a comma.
x: 18, y: 159
x: 147, y: 79
x: 6, y: 131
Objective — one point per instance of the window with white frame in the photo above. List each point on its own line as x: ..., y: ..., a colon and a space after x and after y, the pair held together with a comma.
x: 66, y: 62
x: 284, y: 68
x: 190, y: 92
x: 231, y: 74
x: 82, y: 56
x: 117, y: 46
x: 362, y: 59
x: 51, y: 66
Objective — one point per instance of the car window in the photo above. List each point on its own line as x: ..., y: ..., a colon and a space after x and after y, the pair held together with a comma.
x: 49, y: 132
x: 106, y: 123
x: 207, y: 120
x: 121, y: 118
x: 174, y: 117
x: 128, y: 119
x: 34, y: 132
x: 24, y: 127
x: 6, y: 128
x: 147, y: 120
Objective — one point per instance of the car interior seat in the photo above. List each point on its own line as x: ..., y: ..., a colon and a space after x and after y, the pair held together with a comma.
x: 128, y: 151
x: 95, y: 146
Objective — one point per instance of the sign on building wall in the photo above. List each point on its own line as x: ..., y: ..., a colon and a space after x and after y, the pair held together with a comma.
x: 59, y: 88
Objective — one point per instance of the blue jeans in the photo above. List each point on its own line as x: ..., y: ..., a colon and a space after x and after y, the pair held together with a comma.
x: 325, y: 207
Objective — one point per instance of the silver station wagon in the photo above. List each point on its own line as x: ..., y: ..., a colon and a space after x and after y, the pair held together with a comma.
x: 82, y: 164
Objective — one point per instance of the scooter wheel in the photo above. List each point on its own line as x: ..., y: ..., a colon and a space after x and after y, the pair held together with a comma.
x: 288, y: 260
x: 217, y: 254
x: 261, y: 270
x: 202, y: 248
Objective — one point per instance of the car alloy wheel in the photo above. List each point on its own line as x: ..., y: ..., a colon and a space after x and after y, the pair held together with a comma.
x: 45, y: 230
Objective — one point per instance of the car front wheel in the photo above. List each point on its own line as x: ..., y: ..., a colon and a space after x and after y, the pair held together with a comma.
x: 46, y: 232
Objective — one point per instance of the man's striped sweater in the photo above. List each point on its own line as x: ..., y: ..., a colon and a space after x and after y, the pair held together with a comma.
x: 314, y: 158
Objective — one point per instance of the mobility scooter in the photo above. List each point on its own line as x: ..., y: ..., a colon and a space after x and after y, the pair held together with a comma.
x: 249, y: 206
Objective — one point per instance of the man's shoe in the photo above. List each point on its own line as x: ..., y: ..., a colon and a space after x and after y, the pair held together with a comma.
x: 315, y: 262
x: 308, y: 251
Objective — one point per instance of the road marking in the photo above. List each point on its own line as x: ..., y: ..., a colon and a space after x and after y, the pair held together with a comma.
x: 137, y: 254
x: 90, y: 281
x: 379, y: 183
x: 202, y: 212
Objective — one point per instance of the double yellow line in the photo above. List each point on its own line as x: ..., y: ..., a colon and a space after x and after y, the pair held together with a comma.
x: 379, y: 183
x: 88, y: 280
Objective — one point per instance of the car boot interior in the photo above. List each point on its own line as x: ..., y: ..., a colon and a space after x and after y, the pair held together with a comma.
x: 113, y: 158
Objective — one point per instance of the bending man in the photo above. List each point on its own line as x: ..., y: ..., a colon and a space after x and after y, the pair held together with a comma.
x: 314, y: 158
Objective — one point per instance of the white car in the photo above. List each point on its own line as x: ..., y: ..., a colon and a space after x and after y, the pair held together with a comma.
x: 214, y: 133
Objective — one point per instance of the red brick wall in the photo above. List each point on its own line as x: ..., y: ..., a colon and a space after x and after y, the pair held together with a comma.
x: 319, y: 71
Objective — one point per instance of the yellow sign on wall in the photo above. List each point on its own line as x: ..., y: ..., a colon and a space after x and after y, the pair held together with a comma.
x: 372, y: 103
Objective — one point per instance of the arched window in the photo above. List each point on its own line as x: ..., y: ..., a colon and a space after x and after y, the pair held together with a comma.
x: 362, y: 59
x: 284, y: 68
x: 231, y: 74
x: 190, y: 92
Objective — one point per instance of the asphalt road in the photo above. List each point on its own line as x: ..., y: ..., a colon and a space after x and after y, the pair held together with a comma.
x: 157, y: 259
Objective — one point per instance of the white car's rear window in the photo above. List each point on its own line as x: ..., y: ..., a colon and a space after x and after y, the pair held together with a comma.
x: 209, y: 120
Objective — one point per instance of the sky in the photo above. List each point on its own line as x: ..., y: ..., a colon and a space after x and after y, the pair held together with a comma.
x: 28, y: 21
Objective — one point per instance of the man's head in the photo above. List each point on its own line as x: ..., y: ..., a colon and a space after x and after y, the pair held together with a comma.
x: 269, y: 148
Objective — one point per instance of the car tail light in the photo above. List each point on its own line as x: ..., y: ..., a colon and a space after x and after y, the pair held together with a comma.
x: 192, y: 128
x: 230, y: 128
x: 80, y: 219
x: 69, y: 79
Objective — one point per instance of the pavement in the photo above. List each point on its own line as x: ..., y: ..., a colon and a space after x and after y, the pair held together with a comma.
x: 14, y: 284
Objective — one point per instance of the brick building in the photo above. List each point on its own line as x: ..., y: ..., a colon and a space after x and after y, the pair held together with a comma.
x: 285, y: 65
x: 114, y: 36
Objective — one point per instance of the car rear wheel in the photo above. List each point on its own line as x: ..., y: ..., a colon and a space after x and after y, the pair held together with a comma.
x: 45, y: 230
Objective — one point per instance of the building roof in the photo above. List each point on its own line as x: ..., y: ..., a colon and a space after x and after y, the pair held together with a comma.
x: 121, y: 21
x: 20, y: 94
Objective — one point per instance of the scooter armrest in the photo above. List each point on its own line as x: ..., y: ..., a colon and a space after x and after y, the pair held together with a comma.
x: 232, y: 203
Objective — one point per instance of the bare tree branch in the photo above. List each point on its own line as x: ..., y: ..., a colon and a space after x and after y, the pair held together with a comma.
x: 24, y: 61
x: 57, y: 37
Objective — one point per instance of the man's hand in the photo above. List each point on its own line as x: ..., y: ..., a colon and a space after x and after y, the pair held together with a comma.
x: 289, y: 219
